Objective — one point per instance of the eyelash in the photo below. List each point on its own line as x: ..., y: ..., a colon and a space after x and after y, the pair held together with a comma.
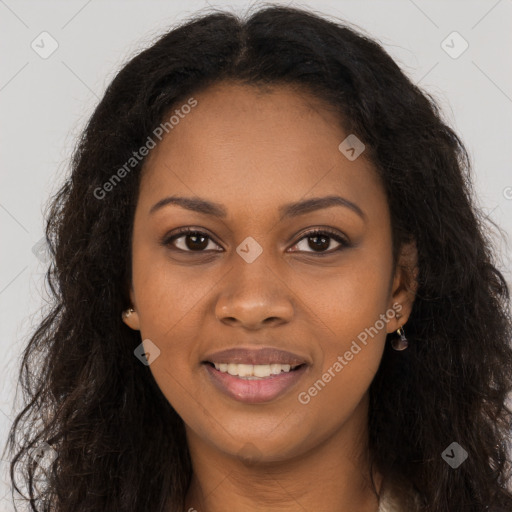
x: 167, y: 241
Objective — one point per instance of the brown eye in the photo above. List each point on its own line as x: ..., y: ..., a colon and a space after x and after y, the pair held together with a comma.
x: 317, y: 241
x: 320, y: 240
x: 193, y: 241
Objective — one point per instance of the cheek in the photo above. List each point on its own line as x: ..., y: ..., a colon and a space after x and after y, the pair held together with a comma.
x: 173, y: 378
x: 347, y: 371
x: 167, y: 294
x: 169, y: 303
x: 348, y: 300
x: 351, y: 310
x: 349, y: 362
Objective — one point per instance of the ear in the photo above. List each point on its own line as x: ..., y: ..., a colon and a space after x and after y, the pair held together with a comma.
x: 132, y: 319
x: 404, y: 285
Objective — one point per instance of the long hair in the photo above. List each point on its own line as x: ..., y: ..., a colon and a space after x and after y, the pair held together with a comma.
x: 114, y: 441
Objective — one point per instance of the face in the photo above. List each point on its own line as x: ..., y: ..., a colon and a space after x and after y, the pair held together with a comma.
x: 315, y: 281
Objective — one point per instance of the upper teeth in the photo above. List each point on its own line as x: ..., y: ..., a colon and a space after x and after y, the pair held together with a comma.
x: 253, y: 370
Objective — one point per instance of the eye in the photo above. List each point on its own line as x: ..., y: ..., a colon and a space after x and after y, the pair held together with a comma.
x: 194, y: 240
x: 320, y: 239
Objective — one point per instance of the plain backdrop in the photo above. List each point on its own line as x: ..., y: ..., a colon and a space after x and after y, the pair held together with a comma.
x: 45, y: 101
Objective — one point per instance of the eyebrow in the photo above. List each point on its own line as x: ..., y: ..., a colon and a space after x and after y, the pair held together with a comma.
x: 286, y: 211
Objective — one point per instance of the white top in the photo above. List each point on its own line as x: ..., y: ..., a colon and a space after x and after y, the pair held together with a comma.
x: 389, y: 501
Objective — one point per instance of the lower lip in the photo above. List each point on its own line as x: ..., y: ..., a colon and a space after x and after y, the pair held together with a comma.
x: 254, y: 391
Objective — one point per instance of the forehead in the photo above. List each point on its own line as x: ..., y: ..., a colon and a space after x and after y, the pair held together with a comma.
x: 259, y: 147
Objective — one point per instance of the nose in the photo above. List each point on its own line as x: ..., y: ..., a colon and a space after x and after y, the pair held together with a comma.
x: 254, y: 296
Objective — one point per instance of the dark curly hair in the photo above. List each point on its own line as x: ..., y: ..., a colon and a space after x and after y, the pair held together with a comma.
x: 89, y: 398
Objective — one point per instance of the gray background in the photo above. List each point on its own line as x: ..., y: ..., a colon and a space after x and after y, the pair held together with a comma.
x: 45, y: 102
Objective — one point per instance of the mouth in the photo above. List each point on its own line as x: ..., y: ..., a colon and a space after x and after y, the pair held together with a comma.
x: 254, y: 384
x: 254, y: 371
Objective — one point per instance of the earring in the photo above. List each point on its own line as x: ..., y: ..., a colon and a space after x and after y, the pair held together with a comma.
x: 400, y: 343
x: 128, y: 312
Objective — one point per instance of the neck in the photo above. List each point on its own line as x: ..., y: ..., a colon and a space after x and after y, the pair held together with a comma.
x: 332, y: 477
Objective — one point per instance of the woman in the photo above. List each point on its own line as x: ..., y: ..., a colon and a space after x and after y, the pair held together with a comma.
x: 273, y: 290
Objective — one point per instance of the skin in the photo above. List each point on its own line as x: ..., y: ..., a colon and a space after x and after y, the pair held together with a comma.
x: 253, y: 151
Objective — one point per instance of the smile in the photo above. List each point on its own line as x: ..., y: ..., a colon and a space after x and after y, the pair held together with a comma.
x: 254, y: 371
x: 254, y: 384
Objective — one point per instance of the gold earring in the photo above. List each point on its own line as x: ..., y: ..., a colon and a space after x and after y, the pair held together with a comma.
x: 128, y: 312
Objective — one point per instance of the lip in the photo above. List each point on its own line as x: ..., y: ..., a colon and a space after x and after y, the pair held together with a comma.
x: 254, y: 391
x: 262, y: 355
